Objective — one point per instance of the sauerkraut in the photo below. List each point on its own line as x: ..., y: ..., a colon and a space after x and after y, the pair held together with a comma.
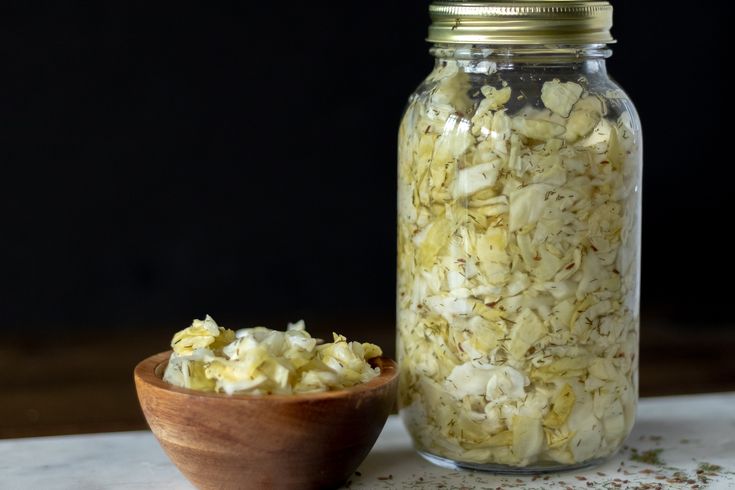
x: 518, y: 263
x: 259, y: 361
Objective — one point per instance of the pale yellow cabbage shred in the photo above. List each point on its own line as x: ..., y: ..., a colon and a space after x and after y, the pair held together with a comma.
x: 517, y: 302
x: 260, y: 361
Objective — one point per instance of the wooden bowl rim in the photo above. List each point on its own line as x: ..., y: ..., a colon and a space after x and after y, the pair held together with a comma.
x: 145, y: 372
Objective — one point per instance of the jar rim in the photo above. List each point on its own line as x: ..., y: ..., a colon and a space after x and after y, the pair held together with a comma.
x: 521, y: 22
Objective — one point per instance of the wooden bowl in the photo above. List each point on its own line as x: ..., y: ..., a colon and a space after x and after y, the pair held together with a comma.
x: 306, y: 441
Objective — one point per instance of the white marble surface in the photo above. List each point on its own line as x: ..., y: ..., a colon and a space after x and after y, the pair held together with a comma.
x: 690, y: 430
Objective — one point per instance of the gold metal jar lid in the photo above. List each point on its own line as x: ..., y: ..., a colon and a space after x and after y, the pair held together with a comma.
x: 520, y: 22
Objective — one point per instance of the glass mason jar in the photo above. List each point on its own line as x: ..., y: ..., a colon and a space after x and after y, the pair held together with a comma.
x: 519, y: 199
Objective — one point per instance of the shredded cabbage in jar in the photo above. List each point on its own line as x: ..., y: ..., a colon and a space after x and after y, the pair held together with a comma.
x: 259, y: 361
x: 517, y: 299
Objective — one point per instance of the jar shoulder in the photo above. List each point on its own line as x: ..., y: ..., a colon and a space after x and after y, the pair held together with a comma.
x: 460, y: 88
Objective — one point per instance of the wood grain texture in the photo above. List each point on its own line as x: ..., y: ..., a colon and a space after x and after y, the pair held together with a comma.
x: 311, y: 441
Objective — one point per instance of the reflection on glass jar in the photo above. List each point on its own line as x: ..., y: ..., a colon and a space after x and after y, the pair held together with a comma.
x: 518, y: 252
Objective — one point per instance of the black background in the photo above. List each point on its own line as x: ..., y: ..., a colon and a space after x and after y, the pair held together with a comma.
x: 163, y: 161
